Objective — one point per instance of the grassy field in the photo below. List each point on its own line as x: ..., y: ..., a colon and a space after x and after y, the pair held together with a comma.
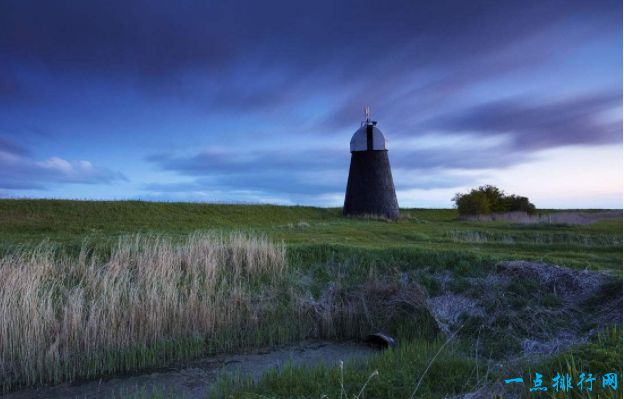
x: 325, y: 266
x: 311, y: 232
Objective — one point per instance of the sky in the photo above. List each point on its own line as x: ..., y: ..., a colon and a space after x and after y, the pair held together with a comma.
x: 256, y: 101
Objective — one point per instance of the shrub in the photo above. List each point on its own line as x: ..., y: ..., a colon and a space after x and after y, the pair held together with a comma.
x: 488, y: 199
x: 518, y: 203
x: 475, y: 203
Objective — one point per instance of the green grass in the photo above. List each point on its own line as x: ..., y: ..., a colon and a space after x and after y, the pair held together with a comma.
x: 313, y: 230
x: 602, y: 355
x: 323, y: 249
x: 445, y: 370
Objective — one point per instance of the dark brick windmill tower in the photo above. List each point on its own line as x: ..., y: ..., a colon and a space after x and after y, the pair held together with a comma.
x: 370, y: 189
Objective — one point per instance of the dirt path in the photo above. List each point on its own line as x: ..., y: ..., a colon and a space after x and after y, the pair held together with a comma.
x: 194, y: 379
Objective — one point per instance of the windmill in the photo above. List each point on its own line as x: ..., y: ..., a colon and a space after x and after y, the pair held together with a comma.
x: 370, y: 188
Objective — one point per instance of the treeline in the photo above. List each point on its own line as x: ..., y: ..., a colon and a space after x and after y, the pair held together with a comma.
x: 490, y: 199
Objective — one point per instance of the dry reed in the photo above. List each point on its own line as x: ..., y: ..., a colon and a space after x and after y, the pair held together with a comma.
x: 151, y: 301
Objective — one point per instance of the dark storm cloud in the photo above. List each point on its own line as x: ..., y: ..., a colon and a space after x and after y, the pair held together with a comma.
x: 157, y: 36
x: 161, y: 43
x: 540, y: 125
x: 18, y: 170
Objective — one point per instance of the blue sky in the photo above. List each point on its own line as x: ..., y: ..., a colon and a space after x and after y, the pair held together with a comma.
x: 256, y: 101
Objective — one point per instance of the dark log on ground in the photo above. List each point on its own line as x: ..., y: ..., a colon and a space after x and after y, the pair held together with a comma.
x: 380, y: 340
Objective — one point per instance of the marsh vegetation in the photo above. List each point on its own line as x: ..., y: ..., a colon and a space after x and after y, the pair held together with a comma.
x: 90, y: 289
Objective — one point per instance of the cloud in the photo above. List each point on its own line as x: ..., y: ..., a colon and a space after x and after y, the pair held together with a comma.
x: 534, y: 125
x: 294, y: 175
x: 9, y: 147
x: 258, y: 55
x: 495, y: 135
x: 136, y: 74
x: 238, y: 160
x: 18, y: 170
x: 300, y: 174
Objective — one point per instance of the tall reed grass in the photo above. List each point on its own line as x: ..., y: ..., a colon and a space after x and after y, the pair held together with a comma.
x: 150, y: 302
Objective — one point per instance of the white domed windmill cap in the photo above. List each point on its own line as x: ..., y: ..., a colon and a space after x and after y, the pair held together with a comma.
x: 362, y: 141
